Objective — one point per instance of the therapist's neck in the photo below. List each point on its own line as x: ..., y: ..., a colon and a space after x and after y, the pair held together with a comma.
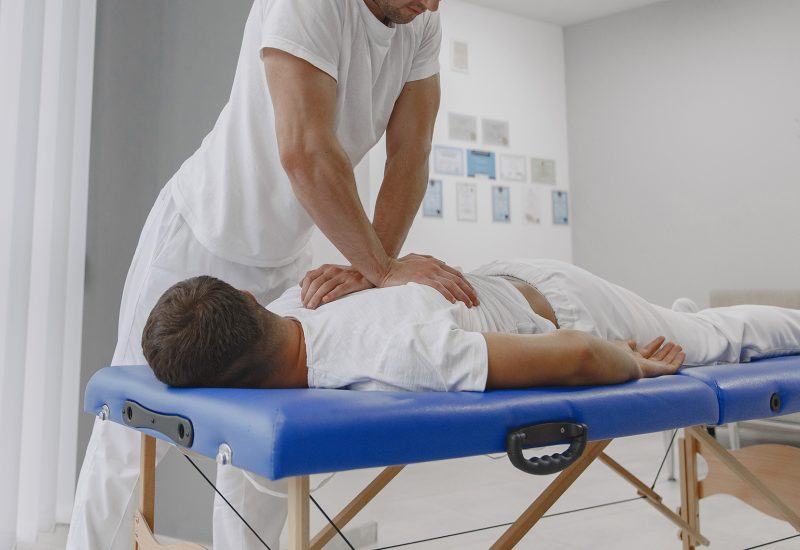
x: 291, y: 361
x: 376, y: 11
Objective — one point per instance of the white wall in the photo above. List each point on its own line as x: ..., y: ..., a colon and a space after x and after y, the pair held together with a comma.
x: 516, y: 74
x: 684, y: 126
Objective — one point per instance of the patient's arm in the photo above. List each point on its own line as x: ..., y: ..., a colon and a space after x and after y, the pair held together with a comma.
x: 573, y: 358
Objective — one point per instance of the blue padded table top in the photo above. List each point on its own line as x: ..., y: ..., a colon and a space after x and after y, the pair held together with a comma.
x: 745, y: 391
x: 280, y: 433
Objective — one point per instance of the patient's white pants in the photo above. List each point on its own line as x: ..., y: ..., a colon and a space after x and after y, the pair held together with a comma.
x: 583, y: 301
x: 102, y: 518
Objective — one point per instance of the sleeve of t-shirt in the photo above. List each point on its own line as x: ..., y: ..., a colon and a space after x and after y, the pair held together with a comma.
x: 308, y: 29
x: 435, y: 356
x: 426, y: 59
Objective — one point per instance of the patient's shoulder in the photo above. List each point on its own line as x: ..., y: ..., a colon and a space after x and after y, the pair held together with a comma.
x: 286, y: 302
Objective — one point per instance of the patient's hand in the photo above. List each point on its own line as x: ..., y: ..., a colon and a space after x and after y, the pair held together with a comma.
x: 329, y: 282
x: 655, y: 358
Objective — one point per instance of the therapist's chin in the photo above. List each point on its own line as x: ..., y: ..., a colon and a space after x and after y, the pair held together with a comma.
x: 404, y: 16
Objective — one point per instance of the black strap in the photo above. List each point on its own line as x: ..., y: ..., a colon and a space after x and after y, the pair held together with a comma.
x: 226, y: 501
x: 331, y: 521
x: 666, y: 456
x: 245, y: 521
x: 772, y: 542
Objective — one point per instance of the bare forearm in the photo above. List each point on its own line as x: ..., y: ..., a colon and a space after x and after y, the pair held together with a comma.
x: 404, y: 183
x: 324, y: 184
x: 559, y: 358
x: 408, y: 144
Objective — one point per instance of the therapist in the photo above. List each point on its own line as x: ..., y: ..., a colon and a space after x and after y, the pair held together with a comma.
x: 339, y: 74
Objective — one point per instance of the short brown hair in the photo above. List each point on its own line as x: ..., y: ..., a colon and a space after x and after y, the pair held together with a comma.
x: 198, y: 330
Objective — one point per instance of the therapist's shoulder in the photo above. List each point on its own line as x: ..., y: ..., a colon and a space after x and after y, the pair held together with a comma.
x: 427, y: 26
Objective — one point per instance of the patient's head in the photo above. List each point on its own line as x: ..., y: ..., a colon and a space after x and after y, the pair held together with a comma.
x: 203, y: 332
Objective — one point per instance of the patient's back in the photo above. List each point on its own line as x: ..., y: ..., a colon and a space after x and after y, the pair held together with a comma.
x: 405, y: 336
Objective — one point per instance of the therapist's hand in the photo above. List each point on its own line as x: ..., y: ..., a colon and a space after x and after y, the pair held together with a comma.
x: 427, y: 270
x: 329, y: 282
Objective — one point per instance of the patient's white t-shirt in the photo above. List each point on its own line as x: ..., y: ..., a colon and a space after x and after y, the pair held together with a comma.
x: 407, y: 337
x: 233, y: 191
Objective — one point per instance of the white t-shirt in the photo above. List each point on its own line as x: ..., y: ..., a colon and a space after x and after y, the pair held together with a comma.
x: 233, y: 191
x: 407, y: 337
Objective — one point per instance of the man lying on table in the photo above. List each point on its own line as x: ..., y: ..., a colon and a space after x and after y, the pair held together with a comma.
x: 539, y: 323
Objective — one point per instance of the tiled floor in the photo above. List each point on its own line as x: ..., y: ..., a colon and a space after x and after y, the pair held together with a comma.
x: 434, y: 499
x: 48, y: 541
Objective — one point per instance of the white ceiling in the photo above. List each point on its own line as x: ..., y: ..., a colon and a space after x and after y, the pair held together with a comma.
x: 563, y: 12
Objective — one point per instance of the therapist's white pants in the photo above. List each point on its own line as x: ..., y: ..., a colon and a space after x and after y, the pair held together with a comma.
x: 584, y: 301
x: 102, y: 518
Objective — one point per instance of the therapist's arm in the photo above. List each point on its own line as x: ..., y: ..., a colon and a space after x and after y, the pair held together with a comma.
x: 408, y: 146
x: 573, y: 358
x: 304, y: 101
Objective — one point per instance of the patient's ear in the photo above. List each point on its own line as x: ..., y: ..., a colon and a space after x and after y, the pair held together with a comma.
x: 249, y: 295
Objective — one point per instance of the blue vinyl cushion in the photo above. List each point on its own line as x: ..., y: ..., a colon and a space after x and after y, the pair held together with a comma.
x: 280, y: 433
x: 744, y: 391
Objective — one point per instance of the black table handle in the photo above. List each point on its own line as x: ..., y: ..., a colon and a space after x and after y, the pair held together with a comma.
x: 175, y: 427
x: 541, y: 435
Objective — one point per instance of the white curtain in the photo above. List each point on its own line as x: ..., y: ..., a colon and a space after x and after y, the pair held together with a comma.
x: 46, y: 70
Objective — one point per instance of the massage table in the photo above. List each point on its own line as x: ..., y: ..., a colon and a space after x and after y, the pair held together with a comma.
x: 294, y: 433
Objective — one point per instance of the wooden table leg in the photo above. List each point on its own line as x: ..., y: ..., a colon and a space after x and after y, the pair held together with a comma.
x: 549, y: 496
x: 147, y: 488
x: 690, y: 505
x: 298, y: 513
x: 355, y: 506
x: 651, y: 497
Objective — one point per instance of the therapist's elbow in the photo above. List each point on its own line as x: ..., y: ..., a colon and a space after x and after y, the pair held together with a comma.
x: 311, y: 163
x: 297, y: 165
x: 296, y: 159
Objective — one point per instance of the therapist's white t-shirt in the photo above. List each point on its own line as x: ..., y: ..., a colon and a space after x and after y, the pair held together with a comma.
x: 408, y: 337
x: 233, y: 191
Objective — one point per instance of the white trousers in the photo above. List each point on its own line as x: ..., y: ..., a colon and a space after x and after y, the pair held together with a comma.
x: 586, y: 302
x: 102, y: 518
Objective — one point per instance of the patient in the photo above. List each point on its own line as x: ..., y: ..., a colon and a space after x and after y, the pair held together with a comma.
x: 540, y: 323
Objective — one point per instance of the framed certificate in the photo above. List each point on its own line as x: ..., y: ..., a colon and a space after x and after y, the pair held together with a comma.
x: 543, y: 170
x: 448, y: 161
x: 432, y: 203
x: 501, y: 205
x: 462, y: 127
x: 481, y: 163
x: 560, y: 208
x: 513, y: 168
x: 467, y: 202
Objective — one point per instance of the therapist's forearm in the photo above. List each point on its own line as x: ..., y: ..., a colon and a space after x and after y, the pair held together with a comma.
x: 322, y: 180
x: 404, y: 183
